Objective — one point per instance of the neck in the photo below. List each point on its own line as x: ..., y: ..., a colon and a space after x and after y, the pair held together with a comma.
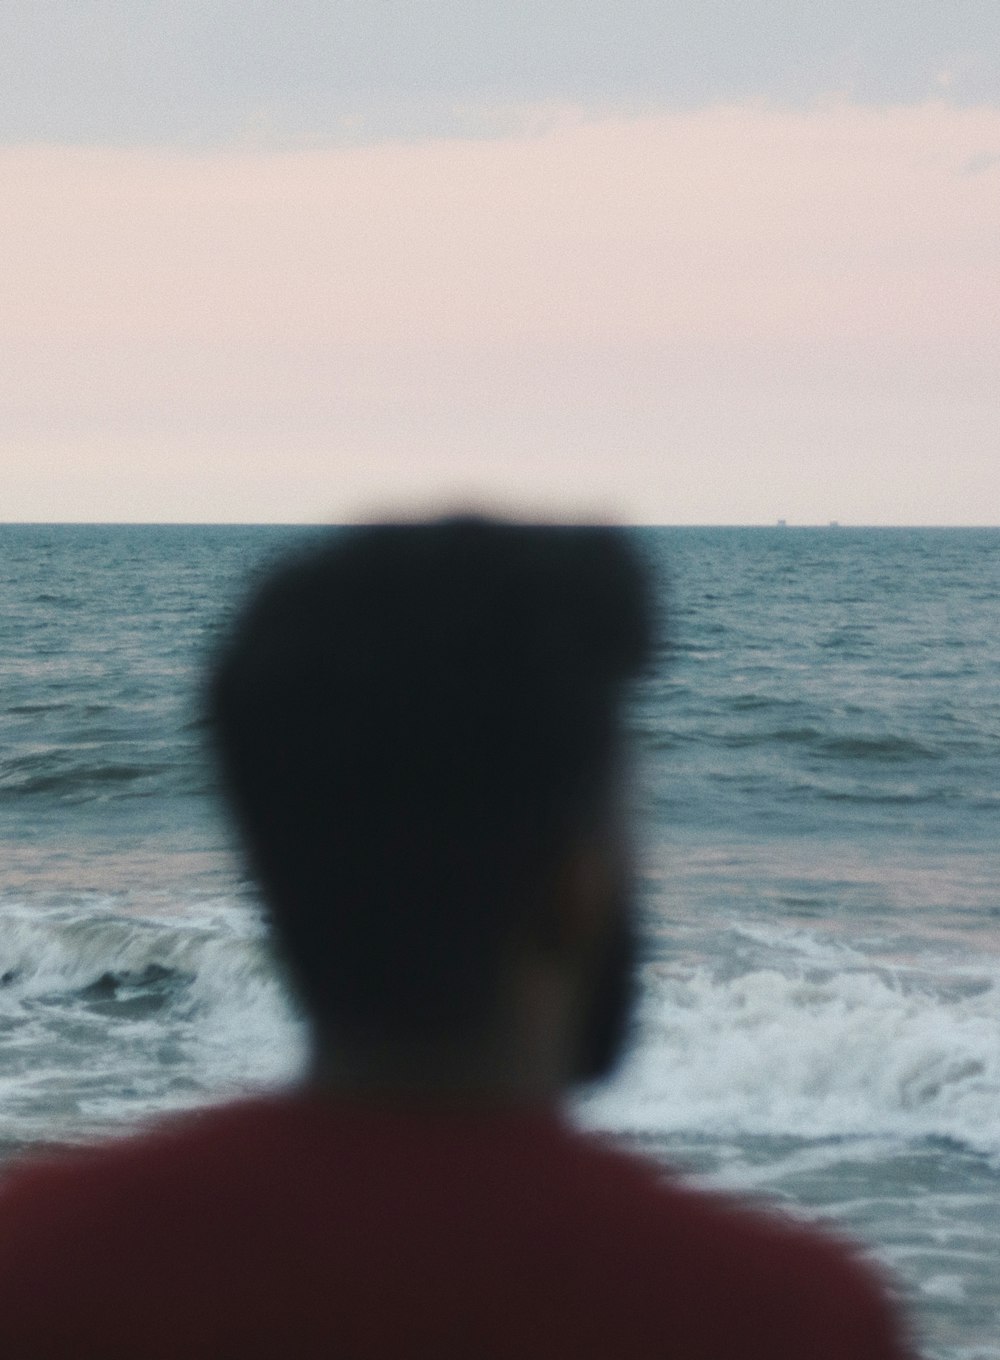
x: 522, y: 1058
x: 434, y: 1077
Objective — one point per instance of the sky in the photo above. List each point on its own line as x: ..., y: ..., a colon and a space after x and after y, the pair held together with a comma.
x: 302, y: 261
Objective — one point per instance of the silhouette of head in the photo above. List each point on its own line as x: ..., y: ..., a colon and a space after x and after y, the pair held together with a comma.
x: 416, y: 724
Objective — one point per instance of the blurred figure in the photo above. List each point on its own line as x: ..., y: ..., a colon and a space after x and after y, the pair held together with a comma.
x: 418, y: 728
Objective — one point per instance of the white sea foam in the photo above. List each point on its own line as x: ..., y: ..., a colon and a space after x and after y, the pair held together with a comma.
x: 46, y: 949
x: 825, y: 1044
x: 109, y: 1016
x: 816, y: 1053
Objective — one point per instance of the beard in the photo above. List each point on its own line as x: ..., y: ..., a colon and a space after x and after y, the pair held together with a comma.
x: 607, y: 1020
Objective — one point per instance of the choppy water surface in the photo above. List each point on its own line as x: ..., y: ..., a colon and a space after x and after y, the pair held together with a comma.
x: 819, y: 791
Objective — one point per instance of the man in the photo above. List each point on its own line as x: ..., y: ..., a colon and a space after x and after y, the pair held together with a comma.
x: 418, y: 729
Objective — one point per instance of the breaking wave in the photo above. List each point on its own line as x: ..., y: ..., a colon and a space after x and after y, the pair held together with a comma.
x: 814, y: 1053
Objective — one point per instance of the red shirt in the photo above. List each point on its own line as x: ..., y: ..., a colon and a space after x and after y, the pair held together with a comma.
x: 304, y: 1227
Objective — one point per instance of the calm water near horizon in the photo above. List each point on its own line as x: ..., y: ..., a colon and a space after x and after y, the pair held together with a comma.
x: 819, y: 798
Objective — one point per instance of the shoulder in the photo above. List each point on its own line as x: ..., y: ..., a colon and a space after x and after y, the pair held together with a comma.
x: 123, y: 1230
x: 143, y: 1178
x: 97, y: 1242
x: 785, y: 1281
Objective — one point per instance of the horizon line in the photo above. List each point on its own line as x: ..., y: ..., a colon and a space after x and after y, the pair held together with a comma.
x: 389, y: 517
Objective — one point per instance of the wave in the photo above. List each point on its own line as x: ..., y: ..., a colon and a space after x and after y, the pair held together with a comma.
x: 30, y: 709
x: 818, y: 1042
x: 49, y: 597
x: 88, y: 710
x: 65, y: 774
x: 877, y: 747
x: 814, y: 1053
x: 750, y: 702
x: 101, y: 954
x: 80, y: 780
x: 107, y: 1018
x: 886, y: 747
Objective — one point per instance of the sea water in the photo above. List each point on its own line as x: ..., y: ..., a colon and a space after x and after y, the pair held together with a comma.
x: 818, y: 797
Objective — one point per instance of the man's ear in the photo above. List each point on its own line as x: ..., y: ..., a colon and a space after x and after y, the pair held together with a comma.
x: 574, y: 915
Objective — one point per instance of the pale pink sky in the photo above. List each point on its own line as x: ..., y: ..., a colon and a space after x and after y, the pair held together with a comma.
x: 732, y: 314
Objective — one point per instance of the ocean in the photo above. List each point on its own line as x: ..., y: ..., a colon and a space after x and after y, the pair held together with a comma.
x: 818, y: 800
